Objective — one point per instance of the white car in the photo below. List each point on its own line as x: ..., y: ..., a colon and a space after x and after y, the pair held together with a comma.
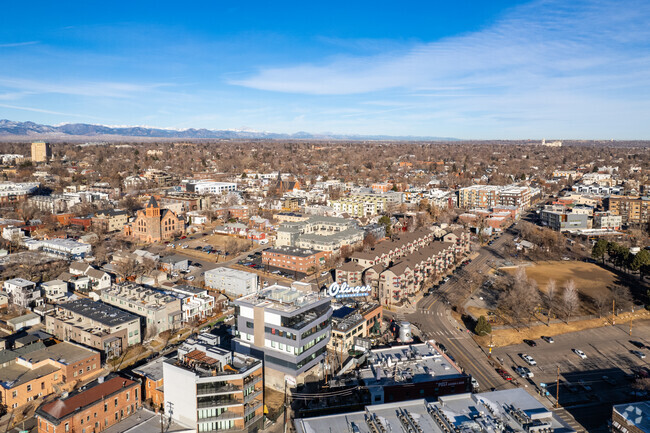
x: 529, y: 359
x: 185, y: 246
x: 475, y: 385
x: 580, y: 353
x: 190, y: 278
x: 175, y: 274
x: 524, y: 372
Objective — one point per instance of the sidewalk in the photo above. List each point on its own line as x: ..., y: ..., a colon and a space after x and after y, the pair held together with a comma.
x: 409, y: 308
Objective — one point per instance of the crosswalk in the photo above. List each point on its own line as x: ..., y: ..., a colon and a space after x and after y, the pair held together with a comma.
x: 431, y: 313
x: 442, y: 333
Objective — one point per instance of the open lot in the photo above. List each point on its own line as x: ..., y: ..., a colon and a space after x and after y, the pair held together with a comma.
x: 590, y: 278
x: 582, y: 381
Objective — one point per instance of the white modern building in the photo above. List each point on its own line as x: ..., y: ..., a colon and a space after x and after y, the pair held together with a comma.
x: 213, y: 389
x: 55, y: 290
x: 208, y: 186
x: 23, y: 293
x: 66, y: 248
x: 231, y: 281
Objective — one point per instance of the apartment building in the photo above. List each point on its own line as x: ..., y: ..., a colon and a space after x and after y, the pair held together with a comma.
x: 288, y: 328
x: 160, y: 311
x: 214, y: 389
x: 39, y: 373
x: 320, y: 233
x: 186, y: 201
x: 295, y: 259
x: 12, y: 192
x: 41, y: 151
x: 231, y: 281
x: 63, y: 248
x: 607, y: 221
x: 563, y: 219
x: 632, y: 209
x: 359, y: 206
x: 490, y: 196
x: 110, y: 220
x: 23, y: 293
x: 196, y: 303
x: 94, y: 324
x: 200, y: 186
x: 93, y: 408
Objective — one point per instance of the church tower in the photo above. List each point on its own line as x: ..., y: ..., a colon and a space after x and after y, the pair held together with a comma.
x: 152, y: 210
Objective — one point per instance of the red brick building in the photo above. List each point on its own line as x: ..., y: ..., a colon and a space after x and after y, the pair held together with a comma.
x: 294, y: 259
x: 93, y: 408
x: 155, y: 224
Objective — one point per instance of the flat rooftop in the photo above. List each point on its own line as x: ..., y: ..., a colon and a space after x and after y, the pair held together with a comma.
x: 412, y: 363
x: 282, y: 298
x: 635, y: 414
x: 230, y: 273
x: 64, y: 352
x: 98, y: 312
x: 514, y: 410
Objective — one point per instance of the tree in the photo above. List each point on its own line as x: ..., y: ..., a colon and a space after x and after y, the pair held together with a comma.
x: 642, y: 258
x: 385, y: 221
x: 599, y: 250
x: 369, y: 241
x: 482, y: 326
x: 601, y: 301
x: 570, y: 299
x: 549, y: 296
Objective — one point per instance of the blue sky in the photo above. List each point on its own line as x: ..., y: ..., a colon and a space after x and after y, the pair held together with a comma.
x: 470, y: 69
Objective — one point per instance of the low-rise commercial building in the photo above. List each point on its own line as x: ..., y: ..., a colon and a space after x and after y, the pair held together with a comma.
x: 631, y: 417
x: 288, y: 328
x: 94, y: 324
x: 511, y: 410
x: 214, y: 389
x: 200, y: 186
x: 605, y: 220
x: 320, y: 233
x: 93, y: 408
x: 151, y: 375
x: 353, y: 321
x: 563, y: 220
x: 231, y: 281
x: 196, y: 304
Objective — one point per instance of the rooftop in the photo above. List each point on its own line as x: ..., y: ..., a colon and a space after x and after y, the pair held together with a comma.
x: 98, y: 312
x: 508, y: 410
x: 152, y: 370
x: 291, y: 251
x: 88, y: 395
x: 635, y: 414
x: 230, y: 273
x: 282, y: 298
x: 65, y: 353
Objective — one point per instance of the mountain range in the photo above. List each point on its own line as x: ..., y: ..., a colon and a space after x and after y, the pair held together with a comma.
x: 33, y: 130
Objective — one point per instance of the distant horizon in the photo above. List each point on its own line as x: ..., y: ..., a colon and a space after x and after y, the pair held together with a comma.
x: 506, y: 68
x: 316, y: 135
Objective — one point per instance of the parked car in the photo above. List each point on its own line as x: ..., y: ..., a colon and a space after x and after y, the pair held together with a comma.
x: 637, y: 344
x: 548, y: 339
x: 324, y: 273
x: 531, y: 343
x: 524, y: 372
x: 504, y: 374
x: 474, y: 384
x: 580, y: 353
x: 638, y: 353
x: 190, y: 278
x: 529, y: 359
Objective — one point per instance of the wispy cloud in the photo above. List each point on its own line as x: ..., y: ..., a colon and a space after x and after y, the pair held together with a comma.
x: 40, y: 110
x: 80, y: 88
x: 545, y: 43
x: 18, y: 44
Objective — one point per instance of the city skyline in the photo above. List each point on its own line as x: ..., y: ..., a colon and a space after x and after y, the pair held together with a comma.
x: 504, y: 70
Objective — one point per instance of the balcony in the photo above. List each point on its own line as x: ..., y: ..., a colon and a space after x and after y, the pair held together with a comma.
x: 223, y: 389
x: 252, y: 407
x: 218, y: 402
x: 252, y: 395
x: 252, y: 380
x: 224, y: 416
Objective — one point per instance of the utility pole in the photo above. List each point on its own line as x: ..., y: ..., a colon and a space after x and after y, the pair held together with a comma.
x: 557, y: 389
x: 631, y: 326
x: 490, y: 347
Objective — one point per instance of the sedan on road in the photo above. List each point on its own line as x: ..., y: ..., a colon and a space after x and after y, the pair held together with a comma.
x: 580, y: 353
x: 637, y: 344
x: 638, y: 353
x: 531, y: 343
x: 548, y: 339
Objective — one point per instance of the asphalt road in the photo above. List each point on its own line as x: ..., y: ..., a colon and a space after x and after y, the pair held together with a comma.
x: 433, y: 318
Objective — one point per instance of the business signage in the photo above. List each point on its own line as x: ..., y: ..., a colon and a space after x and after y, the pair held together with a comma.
x: 337, y: 290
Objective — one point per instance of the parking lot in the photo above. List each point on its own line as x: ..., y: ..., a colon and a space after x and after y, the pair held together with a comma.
x: 604, y: 377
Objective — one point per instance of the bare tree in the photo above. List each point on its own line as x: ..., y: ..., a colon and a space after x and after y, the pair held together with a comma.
x: 601, y: 302
x: 570, y: 299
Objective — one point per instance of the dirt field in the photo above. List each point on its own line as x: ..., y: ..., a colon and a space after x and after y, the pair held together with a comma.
x: 274, y: 401
x: 589, y: 278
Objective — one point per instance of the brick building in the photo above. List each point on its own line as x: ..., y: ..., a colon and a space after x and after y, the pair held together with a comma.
x: 154, y: 224
x: 93, y: 408
x: 294, y: 259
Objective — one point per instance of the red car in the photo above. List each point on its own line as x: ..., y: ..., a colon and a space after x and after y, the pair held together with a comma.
x: 504, y: 374
x: 183, y: 237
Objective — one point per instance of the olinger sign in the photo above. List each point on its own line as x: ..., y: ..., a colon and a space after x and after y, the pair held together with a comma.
x: 337, y: 290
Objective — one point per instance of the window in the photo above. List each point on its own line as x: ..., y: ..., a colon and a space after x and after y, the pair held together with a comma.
x: 14, y: 394
x: 29, y: 387
x: 67, y: 426
x: 127, y: 396
x: 115, y: 401
x: 42, y: 385
x: 136, y: 393
x: 105, y: 407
